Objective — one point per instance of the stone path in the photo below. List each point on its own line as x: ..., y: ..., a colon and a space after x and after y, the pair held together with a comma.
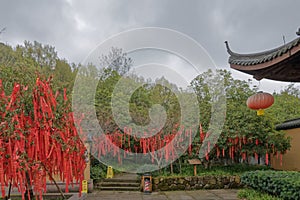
x: 174, y: 195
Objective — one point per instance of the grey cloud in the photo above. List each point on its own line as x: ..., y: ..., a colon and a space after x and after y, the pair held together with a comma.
x: 76, y: 27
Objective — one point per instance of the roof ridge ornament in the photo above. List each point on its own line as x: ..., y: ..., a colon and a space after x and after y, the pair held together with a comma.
x: 228, y: 48
x: 298, y: 32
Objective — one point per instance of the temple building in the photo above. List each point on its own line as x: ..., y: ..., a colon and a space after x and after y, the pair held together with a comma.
x: 280, y: 64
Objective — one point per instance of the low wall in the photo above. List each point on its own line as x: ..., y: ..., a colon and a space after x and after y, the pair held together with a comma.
x: 196, y: 182
x: 290, y: 160
x: 51, y: 187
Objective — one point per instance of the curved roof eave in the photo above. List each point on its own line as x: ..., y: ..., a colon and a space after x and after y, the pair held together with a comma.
x: 261, y: 57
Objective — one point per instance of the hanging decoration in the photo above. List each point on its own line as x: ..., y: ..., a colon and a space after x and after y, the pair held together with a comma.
x: 41, y: 143
x: 260, y: 101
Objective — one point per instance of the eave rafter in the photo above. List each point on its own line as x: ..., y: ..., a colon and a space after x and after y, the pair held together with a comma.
x: 282, y: 63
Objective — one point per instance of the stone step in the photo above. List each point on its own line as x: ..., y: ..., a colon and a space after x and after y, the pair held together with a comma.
x: 120, y: 188
x: 119, y: 184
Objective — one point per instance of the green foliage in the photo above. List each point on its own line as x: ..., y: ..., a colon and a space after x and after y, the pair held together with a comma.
x: 103, y: 99
x: 251, y: 194
x: 15, y: 68
x: 283, y: 184
x: 188, y: 170
x: 63, y: 75
x: 23, y: 63
x: 140, y: 103
x: 117, y: 61
x: 240, y: 121
x: 98, y: 170
x: 44, y: 55
x: 286, y: 106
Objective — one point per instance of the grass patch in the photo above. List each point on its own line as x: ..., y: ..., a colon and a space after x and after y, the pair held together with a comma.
x: 251, y: 194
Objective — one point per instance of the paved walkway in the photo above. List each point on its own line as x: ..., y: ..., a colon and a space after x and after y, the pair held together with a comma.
x: 172, y: 195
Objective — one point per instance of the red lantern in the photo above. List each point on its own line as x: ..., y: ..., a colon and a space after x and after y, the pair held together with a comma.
x: 260, y: 101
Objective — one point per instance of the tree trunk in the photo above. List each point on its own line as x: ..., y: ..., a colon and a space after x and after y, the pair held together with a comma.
x: 180, y: 170
x: 52, y: 179
x: 29, y: 191
x: 9, y: 189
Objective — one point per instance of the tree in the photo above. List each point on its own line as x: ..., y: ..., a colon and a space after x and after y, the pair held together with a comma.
x: 116, y: 60
x: 286, y: 106
x: 15, y: 68
x: 125, y: 101
x: 2, y: 30
x: 19, y: 123
x: 244, y: 133
x: 38, y: 140
x: 19, y: 65
x: 63, y: 76
x: 44, y: 55
x: 103, y: 98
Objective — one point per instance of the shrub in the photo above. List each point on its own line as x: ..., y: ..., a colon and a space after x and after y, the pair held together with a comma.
x: 98, y: 170
x: 188, y: 170
x: 251, y: 194
x: 283, y: 184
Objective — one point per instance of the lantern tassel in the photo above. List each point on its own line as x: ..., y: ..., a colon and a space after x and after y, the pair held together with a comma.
x: 260, y: 112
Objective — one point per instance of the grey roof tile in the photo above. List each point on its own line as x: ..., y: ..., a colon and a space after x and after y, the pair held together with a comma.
x: 258, y: 58
x: 290, y: 124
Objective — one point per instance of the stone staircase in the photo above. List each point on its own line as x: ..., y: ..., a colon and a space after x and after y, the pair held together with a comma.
x: 121, y: 182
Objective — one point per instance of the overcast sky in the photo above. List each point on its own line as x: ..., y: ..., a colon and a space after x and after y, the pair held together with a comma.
x: 76, y: 27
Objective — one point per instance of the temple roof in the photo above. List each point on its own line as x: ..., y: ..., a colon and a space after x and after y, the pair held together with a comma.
x: 262, y: 57
x: 282, y: 63
x: 290, y: 124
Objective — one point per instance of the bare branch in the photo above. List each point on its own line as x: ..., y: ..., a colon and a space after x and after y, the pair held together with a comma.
x: 2, y: 30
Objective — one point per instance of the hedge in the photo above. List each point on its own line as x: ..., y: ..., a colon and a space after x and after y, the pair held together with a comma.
x: 251, y: 194
x: 283, y: 184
